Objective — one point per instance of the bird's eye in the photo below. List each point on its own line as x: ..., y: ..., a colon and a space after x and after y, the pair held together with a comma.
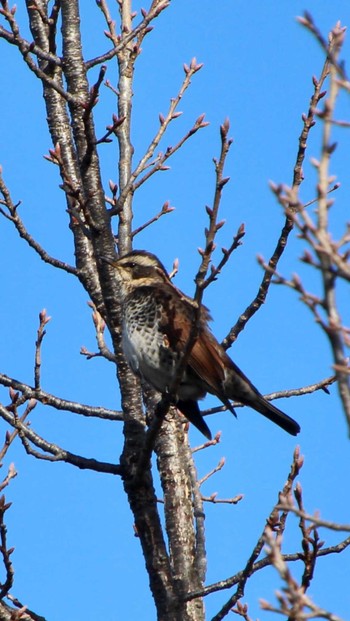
x: 130, y: 264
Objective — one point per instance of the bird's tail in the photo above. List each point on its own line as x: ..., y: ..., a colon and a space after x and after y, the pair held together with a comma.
x: 239, y: 388
x: 275, y: 415
x: 191, y: 410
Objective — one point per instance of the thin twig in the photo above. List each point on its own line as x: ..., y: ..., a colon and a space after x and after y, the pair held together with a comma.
x: 164, y: 211
x: 13, y: 216
x: 308, y: 22
x: 214, y: 225
x: 120, y: 42
x: 217, y: 468
x: 44, y: 320
x: 213, y: 442
x: 58, y: 403
x: 226, y: 501
x: 100, y: 326
x: 265, y: 562
x: 131, y: 186
x: 308, y: 123
x: 274, y: 522
x: 285, y: 506
x: 22, y: 46
x: 282, y: 394
x: 5, y: 551
x: 52, y: 452
x: 11, y: 474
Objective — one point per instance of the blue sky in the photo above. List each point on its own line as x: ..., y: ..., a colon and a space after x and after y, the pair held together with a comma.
x: 73, y: 529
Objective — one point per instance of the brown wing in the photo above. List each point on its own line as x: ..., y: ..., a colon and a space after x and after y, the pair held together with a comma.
x: 204, y: 359
x: 206, y: 362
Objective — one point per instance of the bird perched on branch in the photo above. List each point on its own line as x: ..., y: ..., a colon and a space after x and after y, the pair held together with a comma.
x: 158, y: 321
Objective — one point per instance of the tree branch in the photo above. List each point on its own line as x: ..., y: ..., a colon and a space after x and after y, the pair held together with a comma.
x: 308, y: 123
x: 57, y: 402
x: 121, y: 41
x: 13, y: 216
x: 52, y: 452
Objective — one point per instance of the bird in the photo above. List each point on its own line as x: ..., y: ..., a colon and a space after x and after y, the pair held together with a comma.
x: 157, y: 320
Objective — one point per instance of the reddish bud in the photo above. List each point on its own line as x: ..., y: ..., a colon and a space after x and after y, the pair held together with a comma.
x: 224, y: 181
x: 113, y: 187
x: 224, y: 128
x: 220, y: 225
x: 331, y: 148
x: 200, y: 119
x: 241, y: 230
x: 13, y: 394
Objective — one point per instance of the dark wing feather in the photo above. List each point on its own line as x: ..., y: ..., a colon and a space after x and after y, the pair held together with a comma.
x: 177, y: 323
x: 205, y: 358
x: 206, y: 362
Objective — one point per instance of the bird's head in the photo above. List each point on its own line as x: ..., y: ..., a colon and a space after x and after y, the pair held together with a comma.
x: 139, y: 268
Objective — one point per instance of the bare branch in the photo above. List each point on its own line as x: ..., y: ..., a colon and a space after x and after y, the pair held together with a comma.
x: 52, y: 452
x: 225, y: 501
x: 215, y: 270
x: 5, y: 551
x: 282, y: 394
x: 27, y: 47
x: 213, y: 442
x: 266, y: 562
x: 308, y: 122
x: 121, y: 41
x: 214, y: 225
x: 199, y: 517
x: 164, y: 211
x: 158, y: 164
x: 212, y: 472
x: 13, y: 216
x: 11, y: 474
x: 308, y: 22
x: 275, y: 523
x: 44, y: 320
x: 57, y: 402
x: 293, y: 600
x: 316, y: 521
x: 131, y: 185
x: 16, y: 39
x: 100, y: 326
